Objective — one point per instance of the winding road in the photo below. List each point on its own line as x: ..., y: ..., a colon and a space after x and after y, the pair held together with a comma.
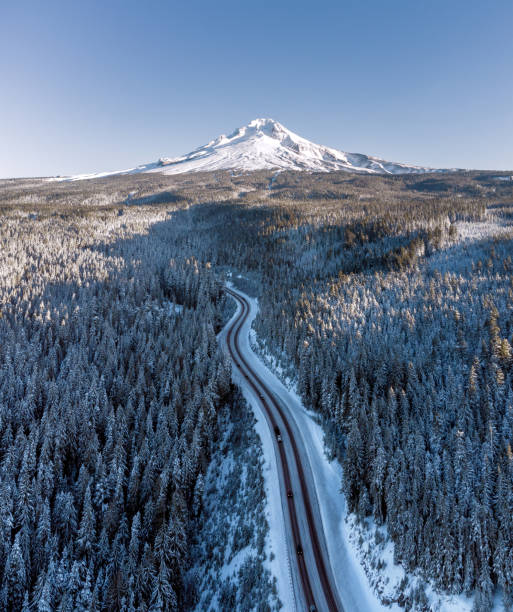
x: 313, y: 578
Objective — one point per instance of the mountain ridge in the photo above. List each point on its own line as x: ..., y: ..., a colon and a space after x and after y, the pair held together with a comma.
x: 265, y: 144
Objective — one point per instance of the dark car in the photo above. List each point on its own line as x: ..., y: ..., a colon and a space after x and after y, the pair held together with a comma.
x: 299, y: 550
x: 289, y: 493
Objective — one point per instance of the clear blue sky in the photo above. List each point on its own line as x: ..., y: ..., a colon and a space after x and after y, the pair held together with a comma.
x: 90, y: 86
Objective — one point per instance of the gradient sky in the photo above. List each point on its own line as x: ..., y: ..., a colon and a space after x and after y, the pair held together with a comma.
x: 91, y: 86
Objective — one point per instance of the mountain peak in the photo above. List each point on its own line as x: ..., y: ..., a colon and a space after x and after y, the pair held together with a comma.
x: 263, y: 144
x: 267, y: 126
x: 263, y: 122
x: 257, y: 128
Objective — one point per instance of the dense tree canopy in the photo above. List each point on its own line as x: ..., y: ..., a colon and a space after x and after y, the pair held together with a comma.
x: 110, y: 383
x: 389, y: 299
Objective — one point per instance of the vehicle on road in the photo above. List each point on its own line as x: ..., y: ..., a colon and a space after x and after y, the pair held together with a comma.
x: 277, y: 433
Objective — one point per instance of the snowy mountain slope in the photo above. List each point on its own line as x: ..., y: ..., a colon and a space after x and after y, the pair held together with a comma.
x: 266, y: 144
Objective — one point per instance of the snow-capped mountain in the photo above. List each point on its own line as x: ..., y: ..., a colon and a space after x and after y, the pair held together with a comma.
x: 266, y: 144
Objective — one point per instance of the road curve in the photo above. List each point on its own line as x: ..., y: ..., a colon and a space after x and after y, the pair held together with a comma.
x: 309, y: 558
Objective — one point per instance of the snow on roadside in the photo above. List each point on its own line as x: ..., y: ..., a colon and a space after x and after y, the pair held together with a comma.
x: 354, y: 590
x: 277, y: 556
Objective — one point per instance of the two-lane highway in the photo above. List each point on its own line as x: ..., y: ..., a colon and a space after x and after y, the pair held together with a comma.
x: 307, y: 547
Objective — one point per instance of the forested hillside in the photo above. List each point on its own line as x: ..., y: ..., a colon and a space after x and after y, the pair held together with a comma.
x: 390, y: 297
x: 110, y: 384
x: 401, y: 335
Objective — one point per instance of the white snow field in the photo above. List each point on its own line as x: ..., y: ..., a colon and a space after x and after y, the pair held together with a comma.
x: 265, y: 144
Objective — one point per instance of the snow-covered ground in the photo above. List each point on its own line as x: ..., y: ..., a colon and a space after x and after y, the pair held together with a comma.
x: 230, y: 569
x: 470, y: 231
x: 175, y: 308
x: 471, y: 236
